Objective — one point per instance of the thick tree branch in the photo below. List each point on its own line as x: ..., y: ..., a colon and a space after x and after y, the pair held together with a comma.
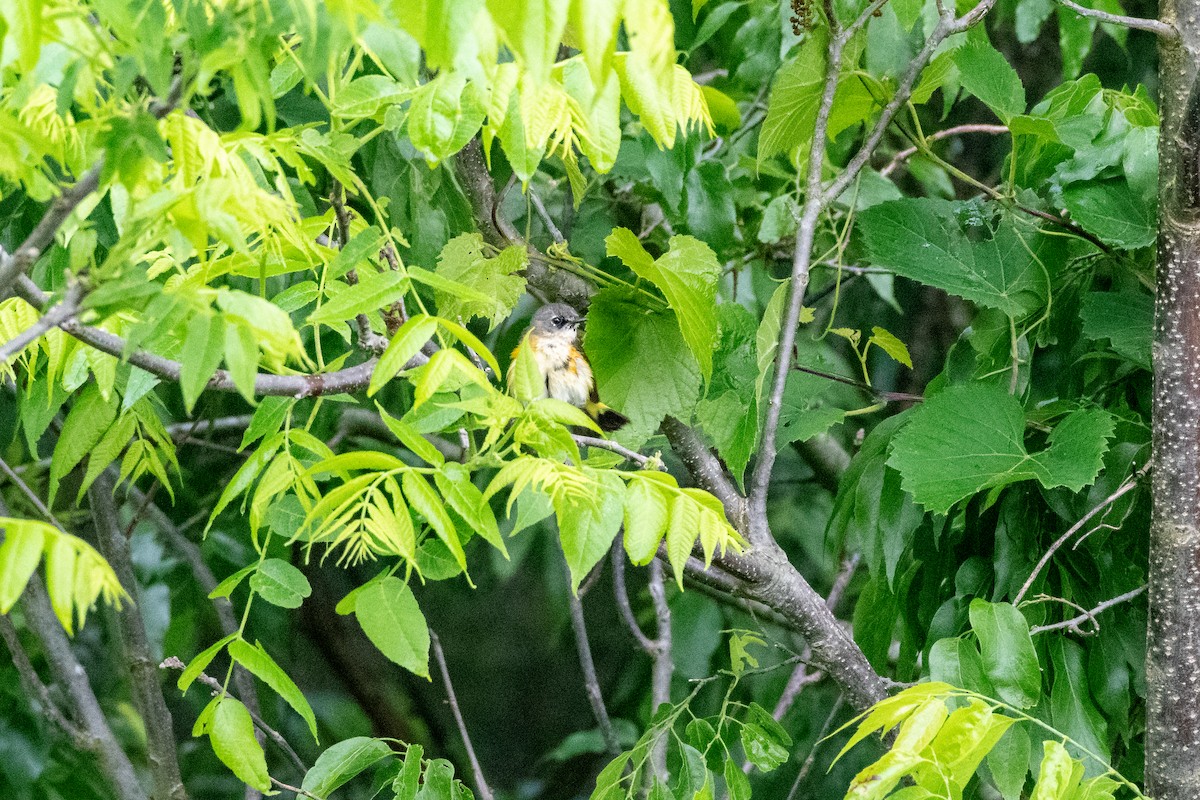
x: 543, y: 279
x: 481, y: 784
x: 143, y: 672
x: 98, y: 737
x: 64, y: 310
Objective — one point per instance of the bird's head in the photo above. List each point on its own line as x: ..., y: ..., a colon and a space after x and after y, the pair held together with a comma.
x: 556, y: 319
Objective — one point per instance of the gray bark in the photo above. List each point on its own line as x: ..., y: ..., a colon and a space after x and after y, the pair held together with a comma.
x: 1173, y: 647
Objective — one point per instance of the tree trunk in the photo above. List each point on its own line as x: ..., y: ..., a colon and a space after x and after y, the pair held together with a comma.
x: 1173, y: 647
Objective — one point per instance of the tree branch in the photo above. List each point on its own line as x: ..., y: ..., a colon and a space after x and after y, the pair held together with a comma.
x: 189, y: 552
x: 955, y: 130
x: 143, y: 674
x: 591, y: 682
x: 347, y: 380
x: 35, y: 689
x: 1089, y: 615
x: 1165, y: 31
x: 66, y: 309
x: 607, y: 444
x: 481, y: 785
x: 1121, y: 491
x: 367, y: 338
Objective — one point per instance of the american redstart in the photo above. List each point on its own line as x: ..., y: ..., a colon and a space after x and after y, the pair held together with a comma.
x: 553, y: 338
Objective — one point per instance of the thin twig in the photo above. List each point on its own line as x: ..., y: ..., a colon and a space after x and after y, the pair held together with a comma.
x: 367, y: 338
x: 172, y: 662
x: 623, y: 606
x: 1124, y: 489
x: 1089, y: 615
x: 891, y: 397
x: 591, y: 682
x: 540, y: 208
x: 296, y: 790
x: 30, y: 495
x: 33, y: 686
x: 946, y: 133
x: 43, y: 623
x: 481, y: 784
x: 812, y: 753
x: 608, y: 444
x: 1163, y: 29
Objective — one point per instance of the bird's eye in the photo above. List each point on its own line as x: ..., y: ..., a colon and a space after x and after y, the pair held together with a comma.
x: 558, y: 322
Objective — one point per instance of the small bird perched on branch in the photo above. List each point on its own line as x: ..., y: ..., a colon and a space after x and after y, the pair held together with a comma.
x: 553, y: 338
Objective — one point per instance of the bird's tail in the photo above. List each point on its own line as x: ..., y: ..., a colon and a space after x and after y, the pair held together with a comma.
x: 608, y: 419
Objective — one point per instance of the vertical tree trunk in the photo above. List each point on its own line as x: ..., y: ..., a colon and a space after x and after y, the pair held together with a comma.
x: 1173, y: 651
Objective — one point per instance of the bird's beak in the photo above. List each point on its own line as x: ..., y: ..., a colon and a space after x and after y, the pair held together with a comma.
x: 575, y: 323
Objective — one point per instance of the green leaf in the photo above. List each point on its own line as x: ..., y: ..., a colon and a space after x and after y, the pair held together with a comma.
x: 20, y: 555
x: 587, y: 529
x: 370, y: 294
x: 1113, y: 212
x: 462, y: 260
x: 525, y: 380
x: 1009, y: 762
x: 354, y: 253
x: 985, y: 73
x: 422, y: 497
x: 1007, y: 651
x: 645, y: 520
x: 795, y: 96
x: 1072, y: 709
x: 405, y: 344
x: 682, y: 532
x: 736, y: 781
x: 225, y: 588
x: 926, y: 240
x: 198, y: 664
x: 1126, y: 319
x: 762, y: 750
x: 84, y: 427
x: 470, y: 340
x: 779, y: 219
x: 366, y: 95
x: 1057, y: 775
x: 956, y: 662
x: 203, y: 345
x: 445, y: 114
x: 687, y: 276
x: 889, y: 344
x: 258, y: 661
x: 389, y: 615
x: 533, y: 31
x: 280, y: 584
x: 408, y: 436
x: 406, y: 781
x: 241, y: 357
x: 454, y: 482
x: 342, y: 762
x: 642, y: 365
x: 231, y: 731
x: 970, y: 438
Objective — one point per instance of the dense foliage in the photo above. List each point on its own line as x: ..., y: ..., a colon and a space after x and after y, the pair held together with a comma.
x: 873, y: 283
